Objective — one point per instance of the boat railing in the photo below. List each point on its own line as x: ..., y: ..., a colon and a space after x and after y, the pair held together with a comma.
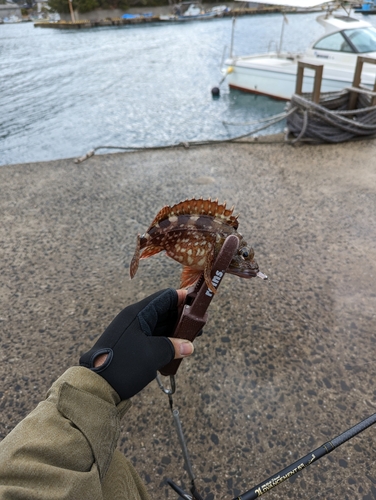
x: 357, y: 87
x: 270, y: 45
x: 318, y: 69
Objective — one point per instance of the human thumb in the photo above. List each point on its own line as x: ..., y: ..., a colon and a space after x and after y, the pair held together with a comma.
x: 183, y: 347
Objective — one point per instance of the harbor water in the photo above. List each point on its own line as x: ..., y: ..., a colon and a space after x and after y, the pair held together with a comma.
x: 63, y: 93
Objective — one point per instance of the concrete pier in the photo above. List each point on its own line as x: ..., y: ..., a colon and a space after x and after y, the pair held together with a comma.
x: 282, y: 367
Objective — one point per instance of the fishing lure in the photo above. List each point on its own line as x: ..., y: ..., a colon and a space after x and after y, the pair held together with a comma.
x: 192, y: 232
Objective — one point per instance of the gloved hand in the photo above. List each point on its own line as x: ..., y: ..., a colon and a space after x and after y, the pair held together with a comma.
x: 135, y: 344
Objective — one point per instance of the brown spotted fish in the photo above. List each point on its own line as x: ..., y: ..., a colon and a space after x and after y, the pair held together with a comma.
x: 192, y: 233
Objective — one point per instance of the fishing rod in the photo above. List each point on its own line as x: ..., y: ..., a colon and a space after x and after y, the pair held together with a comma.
x: 292, y: 469
x: 307, y: 460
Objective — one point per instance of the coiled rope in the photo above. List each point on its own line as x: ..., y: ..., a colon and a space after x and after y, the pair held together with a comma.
x: 330, y: 120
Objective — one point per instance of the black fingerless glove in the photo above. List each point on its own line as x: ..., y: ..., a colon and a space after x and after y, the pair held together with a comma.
x: 136, y: 343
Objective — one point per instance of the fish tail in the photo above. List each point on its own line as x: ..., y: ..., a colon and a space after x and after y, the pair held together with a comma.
x: 135, y: 259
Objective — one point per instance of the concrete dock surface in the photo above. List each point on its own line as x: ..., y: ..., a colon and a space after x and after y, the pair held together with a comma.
x: 283, y: 366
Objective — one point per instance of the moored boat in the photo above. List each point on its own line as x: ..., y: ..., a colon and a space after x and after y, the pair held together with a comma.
x: 187, y: 11
x: 367, y: 7
x: 274, y: 74
x: 11, y: 19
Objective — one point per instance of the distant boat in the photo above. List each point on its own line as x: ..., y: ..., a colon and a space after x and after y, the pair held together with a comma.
x: 130, y: 16
x: 136, y: 16
x: 197, y: 17
x: 368, y: 7
x: 220, y: 9
x: 11, y: 20
x: 192, y: 13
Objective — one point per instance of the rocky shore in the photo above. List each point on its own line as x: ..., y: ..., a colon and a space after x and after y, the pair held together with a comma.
x: 282, y: 366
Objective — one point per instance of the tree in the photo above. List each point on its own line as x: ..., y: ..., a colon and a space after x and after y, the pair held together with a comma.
x: 61, y: 6
x: 87, y: 5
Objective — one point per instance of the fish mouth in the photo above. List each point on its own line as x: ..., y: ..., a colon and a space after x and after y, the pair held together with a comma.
x: 247, y: 273
x: 246, y: 270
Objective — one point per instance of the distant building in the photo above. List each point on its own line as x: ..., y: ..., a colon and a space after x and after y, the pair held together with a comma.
x: 10, y: 9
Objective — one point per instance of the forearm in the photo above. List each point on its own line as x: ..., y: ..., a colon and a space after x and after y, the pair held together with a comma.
x: 62, y: 450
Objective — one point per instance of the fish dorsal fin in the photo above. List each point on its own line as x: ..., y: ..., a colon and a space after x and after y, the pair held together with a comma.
x: 198, y: 207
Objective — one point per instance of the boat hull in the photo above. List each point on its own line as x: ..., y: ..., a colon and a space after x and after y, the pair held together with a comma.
x: 276, y: 77
x: 199, y: 17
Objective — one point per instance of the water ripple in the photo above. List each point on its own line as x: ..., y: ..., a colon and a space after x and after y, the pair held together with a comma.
x: 64, y: 92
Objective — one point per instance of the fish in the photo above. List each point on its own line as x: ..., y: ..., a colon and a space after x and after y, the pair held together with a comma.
x: 192, y: 233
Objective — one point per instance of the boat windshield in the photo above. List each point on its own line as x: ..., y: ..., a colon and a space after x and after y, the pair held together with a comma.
x: 363, y: 39
x: 356, y: 40
x: 335, y: 42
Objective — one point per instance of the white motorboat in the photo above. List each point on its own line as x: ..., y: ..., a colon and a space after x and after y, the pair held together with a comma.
x: 274, y: 74
x: 192, y: 13
x: 11, y: 20
x: 195, y: 12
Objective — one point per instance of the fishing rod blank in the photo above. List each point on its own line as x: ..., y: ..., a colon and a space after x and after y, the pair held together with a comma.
x: 302, y: 463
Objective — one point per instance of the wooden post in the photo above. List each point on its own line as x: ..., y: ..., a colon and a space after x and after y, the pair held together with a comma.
x: 232, y: 37
x: 71, y: 11
x: 318, y: 69
x: 358, y: 80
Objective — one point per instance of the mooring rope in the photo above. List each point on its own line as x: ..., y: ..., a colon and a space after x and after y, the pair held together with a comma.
x: 330, y: 120
x: 272, y: 120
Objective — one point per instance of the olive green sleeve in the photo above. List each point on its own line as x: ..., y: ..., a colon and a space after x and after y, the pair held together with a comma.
x: 63, y: 449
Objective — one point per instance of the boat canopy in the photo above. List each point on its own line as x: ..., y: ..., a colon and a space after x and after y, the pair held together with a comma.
x: 335, y: 23
x: 302, y: 4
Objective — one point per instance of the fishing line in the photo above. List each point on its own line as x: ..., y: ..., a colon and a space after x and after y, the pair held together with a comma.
x: 275, y: 118
x: 298, y: 315
x: 312, y: 328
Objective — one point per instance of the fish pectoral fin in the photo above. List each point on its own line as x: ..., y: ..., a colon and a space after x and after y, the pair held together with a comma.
x: 137, y: 256
x: 149, y: 251
x: 135, y: 259
x: 207, y: 273
x: 189, y: 276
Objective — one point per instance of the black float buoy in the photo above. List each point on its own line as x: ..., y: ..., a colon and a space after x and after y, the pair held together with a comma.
x: 215, y: 92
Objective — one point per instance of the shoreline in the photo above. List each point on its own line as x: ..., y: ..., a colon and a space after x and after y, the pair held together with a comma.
x: 113, y: 18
